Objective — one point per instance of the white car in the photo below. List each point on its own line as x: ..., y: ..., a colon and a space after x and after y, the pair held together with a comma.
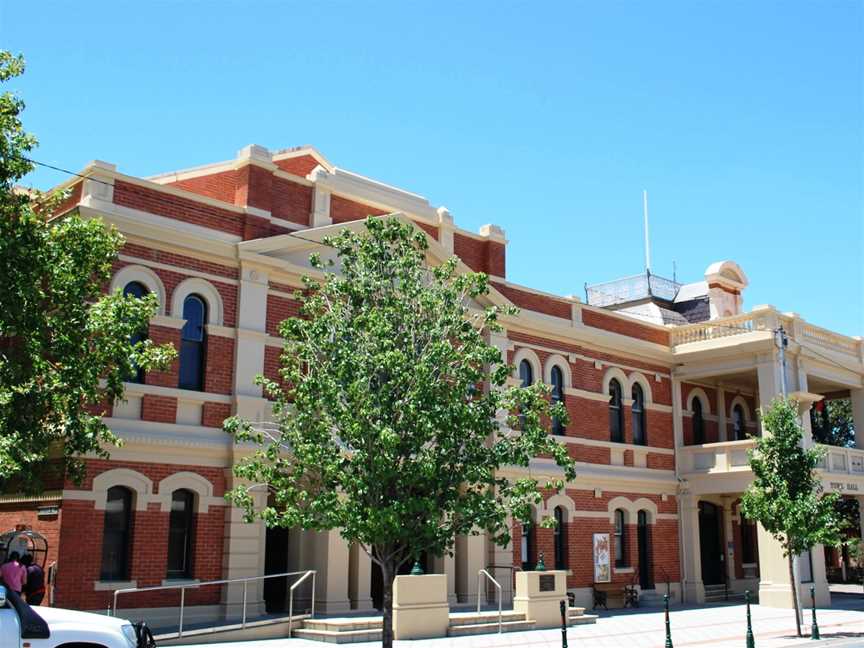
x: 22, y: 626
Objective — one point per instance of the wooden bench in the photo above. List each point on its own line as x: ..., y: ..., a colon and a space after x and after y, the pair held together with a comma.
x: 603, y: 592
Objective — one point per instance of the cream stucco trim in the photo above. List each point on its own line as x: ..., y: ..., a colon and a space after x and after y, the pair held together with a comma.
x: 557, y: 360
x: 739, y: 400
x: 205, y: 290
x: 614, y: 445
x: 533, y: 359
x: 178, y: 269
x: 632, y: 507
x: 144, y: 276
x: 194, y: 482
x: 167, y: 321
x: 698, y: 392
x: 110, y: 586
x: 562, y: 500
x: 637, y: 377
x: 621, y: 377
x: 140, y: 485
x: 187, y: 395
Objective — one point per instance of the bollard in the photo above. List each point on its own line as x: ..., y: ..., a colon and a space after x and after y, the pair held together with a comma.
x: 668, y: 643
x: 563, y: 624
x: 814, y: 628
x: 751, y: 642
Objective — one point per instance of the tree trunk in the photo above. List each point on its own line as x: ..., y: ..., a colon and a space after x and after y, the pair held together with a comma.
x: 388, y: 573
x: 794, y: 593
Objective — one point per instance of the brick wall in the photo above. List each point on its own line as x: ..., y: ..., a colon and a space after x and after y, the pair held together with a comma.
x: 219, y: 366
x: 158, y: 409
x: 535, y: 302
x: 182, y: 209
x: 291, y: 201
x: 278, y: 309
x: 302, y: 165
x: 343, y: 210
x: 480, y: 255
x: 220, y: 186
x: 624, y: 327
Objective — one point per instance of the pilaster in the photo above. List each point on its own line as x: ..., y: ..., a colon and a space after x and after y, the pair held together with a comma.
x: 694, y: 589
x: 857, y: 398
x: 722, y: 423
x: 360, y: 578
x: 677, y: 422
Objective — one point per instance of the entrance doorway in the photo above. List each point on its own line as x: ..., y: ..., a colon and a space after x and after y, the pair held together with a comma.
x: 376, y: 585
x: 276, y: 562
x: 711, y: 543
x: 643, y: 541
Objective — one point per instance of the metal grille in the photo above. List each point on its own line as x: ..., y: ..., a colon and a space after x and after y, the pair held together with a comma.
x: 633, y: 288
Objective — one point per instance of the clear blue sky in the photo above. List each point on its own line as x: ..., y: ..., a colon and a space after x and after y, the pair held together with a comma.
x: 742, y: 119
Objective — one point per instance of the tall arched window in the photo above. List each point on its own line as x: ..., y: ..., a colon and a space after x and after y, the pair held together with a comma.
x: 136, y: 289
x: 557, y: 397
x: 181, y: 528
x: 638, y: 413
x: 698, y: 422
x: 117, y: 535
x: 527, y: 545
x: 560, y: 537
x: 738, y: 425
x: 616, y: 412
x: 192, y: 344
x: 620, y: 539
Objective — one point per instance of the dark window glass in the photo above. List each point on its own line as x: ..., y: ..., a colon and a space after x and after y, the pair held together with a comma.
x: 698, y: 422
x: 526, y: 373
x: 748, y: 541
x: 528, y: 545
x: 181, y: 527
x: 192, y: 344
x: 560, y: 539
x: 620, y: 539
x: 638, y: 413
x: 136, y: 289
x: 557, y: 397
x: 616, y: 415
x: 738, y: 426
x: 117, y: 534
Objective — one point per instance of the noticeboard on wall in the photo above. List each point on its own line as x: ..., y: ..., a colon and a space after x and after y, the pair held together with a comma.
x: 602, y: 565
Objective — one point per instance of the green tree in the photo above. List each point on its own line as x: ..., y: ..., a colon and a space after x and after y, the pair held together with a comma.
x: 390, y: 418
x: 832, y: 424
x: 65, y: 349
x: 786, y: 496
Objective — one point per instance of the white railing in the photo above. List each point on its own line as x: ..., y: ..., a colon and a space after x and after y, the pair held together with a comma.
x: 722, y: 457
x: 480, y: 575
x: 230, y: 581
x: 848, y: 461
x: 766, y: 318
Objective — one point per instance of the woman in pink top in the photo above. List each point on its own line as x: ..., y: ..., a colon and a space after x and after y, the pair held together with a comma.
x: 13, y: 573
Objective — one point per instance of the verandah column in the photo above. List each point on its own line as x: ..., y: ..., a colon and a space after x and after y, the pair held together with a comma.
x: 694, y: 589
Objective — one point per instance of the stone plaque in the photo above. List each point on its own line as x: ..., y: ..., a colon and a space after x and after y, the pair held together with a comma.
x: 547, y: 583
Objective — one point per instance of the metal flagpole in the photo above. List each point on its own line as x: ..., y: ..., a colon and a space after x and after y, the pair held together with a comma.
x: 647, y: 243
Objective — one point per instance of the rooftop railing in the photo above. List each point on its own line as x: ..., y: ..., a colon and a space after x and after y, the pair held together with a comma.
x: 633, y: 288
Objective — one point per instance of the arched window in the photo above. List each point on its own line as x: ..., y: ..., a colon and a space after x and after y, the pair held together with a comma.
x: 527, y: 545
x: 557, y: 397
x: 616, y: 413
x: 698, y: 422
x: 136, y: 289
x: 620, y: 539
x: 560, y: 537
x: 117, y: 535
x: 181, y: 527
x: 192, y: 344
x: 738, y: 426
x: 638, y: 413
x: 526, y: 373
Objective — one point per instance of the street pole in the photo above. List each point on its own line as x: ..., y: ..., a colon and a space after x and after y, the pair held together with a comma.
x: 751, y: 642
x: 563, y: 624
x: 668, y: 643
x: 782, y: 342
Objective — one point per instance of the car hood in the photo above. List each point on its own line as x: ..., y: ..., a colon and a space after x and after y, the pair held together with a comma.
x: 60, y: 617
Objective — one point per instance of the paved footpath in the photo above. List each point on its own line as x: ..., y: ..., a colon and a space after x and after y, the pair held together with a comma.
x: 722, y: 626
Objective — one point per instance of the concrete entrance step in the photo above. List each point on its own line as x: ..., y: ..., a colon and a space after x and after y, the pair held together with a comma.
x: 462, y: 630
x: 474, y: 618
x: 339, y: 636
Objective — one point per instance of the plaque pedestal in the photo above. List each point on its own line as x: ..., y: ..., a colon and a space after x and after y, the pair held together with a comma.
x: 539, y: 595
x: 420, y: 607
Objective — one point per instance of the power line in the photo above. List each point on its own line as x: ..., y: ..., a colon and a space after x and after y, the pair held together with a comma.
x: 62, y: 170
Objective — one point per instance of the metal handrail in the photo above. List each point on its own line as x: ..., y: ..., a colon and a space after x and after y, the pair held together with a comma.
x: 291, y: 599
x: 196, y: 584
x: 480, y: 575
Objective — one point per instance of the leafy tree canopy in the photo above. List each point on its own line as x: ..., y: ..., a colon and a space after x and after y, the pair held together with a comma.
x: 389, y: 415
x: 65, y: 348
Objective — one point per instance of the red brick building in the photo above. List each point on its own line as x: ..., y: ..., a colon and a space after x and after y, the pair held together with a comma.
x: 662, y: 383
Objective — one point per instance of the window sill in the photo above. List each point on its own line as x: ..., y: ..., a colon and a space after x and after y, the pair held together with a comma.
x: 110, y: 586
x: 180, y: 581
x: 622, y: 570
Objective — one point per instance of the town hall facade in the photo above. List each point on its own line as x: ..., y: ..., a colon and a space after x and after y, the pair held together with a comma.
x: 662, y: 381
